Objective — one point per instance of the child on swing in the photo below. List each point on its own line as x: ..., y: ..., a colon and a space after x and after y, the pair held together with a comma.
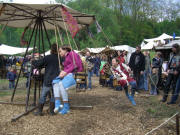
x: 120, y: 72
x: 66, y: 79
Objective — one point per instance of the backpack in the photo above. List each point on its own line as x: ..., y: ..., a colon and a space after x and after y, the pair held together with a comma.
x: 90, y: 65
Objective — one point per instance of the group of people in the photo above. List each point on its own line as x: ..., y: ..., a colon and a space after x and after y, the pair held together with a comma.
x: 139, y: 72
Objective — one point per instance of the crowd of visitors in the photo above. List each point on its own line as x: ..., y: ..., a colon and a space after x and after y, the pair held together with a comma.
x: 139, y: 73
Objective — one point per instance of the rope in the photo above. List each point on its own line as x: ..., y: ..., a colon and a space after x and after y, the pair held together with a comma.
x: 55, y: 31
x: 75, y: 43
x: 105, y: 36
x: 60, y: 37
x: 161, y: 124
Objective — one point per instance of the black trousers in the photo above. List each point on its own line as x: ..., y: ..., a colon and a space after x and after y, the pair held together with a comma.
x: 171, y: 80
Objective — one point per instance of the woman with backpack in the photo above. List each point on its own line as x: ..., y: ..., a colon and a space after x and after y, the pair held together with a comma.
x: 90, y: 64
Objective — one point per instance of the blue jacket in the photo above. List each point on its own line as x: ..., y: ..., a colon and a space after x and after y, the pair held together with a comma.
x: 11, y: 76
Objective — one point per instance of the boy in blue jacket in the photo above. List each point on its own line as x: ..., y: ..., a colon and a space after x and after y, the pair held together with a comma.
x: 11, y: 76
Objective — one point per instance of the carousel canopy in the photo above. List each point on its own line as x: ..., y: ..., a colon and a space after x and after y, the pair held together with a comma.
x: 9, y: 50
x: 22, y: 15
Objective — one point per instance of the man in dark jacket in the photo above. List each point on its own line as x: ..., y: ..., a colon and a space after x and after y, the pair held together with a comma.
x: 52, y: 70
x: 173, y: 72
x: 137, y: 65
x: 90, y: 64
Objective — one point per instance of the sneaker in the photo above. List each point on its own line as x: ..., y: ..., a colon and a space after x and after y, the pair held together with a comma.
x: 89, y: 89
x: 65, y: 109
x: 58, y: 105
x: 132, y: 100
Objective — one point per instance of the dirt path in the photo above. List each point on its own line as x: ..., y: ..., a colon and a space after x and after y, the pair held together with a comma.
x: 112, y: 114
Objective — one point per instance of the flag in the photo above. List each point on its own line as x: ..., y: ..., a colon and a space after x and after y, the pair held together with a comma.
x: 71, y: 22
x: 174, y: 36
x: 98, y: 27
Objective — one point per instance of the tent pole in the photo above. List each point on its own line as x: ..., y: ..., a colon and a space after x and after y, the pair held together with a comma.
x: 29, y: 79
x: 12, y: 5
x: 42, y: 38
x: 12, y: 97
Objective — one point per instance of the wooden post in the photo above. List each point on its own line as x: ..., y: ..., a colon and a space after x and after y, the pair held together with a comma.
x: 177, y: 124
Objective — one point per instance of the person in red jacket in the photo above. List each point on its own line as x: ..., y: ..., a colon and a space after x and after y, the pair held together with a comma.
x: 120, y: 72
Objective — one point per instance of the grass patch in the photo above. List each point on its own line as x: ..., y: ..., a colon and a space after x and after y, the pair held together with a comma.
x: 9, y: 92
x: 159, y: 110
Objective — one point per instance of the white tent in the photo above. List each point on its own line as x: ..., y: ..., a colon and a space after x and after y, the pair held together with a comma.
x: 48, y: 52
x: 143, y: 44
x: 9, y: 50
x: 168, y: 46
x: 160, y: 38
x: 96, y: 50
x: 155, y: 41
x: 127, y: 48
x: 123, y: 47
x: 149, y: 46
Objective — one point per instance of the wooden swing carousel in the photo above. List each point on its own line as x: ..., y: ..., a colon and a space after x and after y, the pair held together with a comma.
x: 38, y: 19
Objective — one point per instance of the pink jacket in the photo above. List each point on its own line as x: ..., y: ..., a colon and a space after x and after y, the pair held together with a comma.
x: 69, y: 66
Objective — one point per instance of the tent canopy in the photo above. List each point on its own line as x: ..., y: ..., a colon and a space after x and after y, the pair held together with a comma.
x: 21, y: 15
x: 168, y: 46
x: 49, y: 52
x: 149, y: 46
x: 123, y: 47
x: 9, y: 50
x: 160, y: 38
x: 92, y: 50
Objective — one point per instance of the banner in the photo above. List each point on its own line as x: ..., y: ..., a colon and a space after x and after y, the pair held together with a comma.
x: 70, y: 21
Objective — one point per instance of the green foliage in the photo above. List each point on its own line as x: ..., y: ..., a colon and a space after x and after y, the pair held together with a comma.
x: 123, y: 22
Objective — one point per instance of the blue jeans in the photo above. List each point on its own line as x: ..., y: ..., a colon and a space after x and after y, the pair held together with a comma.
x: 133, y: 87
x: 96, y: 70
x: 44, y: 93
x: 146, y: 72
x: 140, y: 83
x: 153, y: 90
x: 11, y: 84
x: 82, y: 86
x: 90, y: 74
x: 177, y: 90
x: 110, y: 81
